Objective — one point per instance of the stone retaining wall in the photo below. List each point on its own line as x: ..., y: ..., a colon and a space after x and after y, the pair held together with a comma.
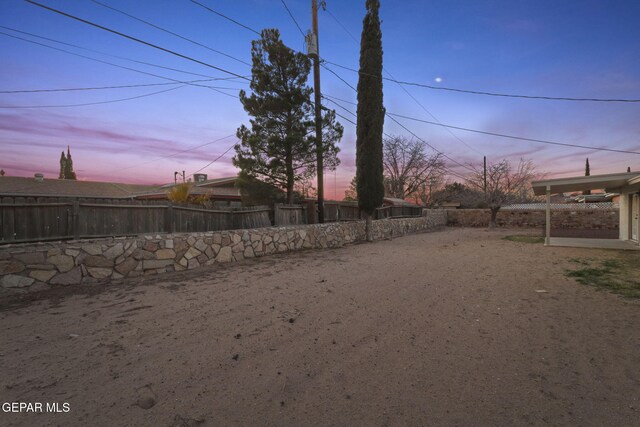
x: 40, y: 266
x: 584, y: 219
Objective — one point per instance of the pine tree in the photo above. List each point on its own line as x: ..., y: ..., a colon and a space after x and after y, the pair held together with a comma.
x: 63, y: 165
x: 279, y: 147
x: 369, y: 166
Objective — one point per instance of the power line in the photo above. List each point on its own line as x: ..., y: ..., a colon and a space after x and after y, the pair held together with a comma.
x: 179, y: 152
x: 474, y: 92
x: 225, y: 17
x: 516, y: 137
x: 387, y: 114
x: 215, y: 160
x: 100, y: 52
x: 135, y: 39
x: 450, y: 171
x: 292, y: 17
x: 75, y: 89
x: 500, y: 134
x: 91, y: 103
x: 117, y: 65
x: 170, y: 32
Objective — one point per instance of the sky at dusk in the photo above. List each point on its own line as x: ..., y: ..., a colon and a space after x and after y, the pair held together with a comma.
x: 585, y: 49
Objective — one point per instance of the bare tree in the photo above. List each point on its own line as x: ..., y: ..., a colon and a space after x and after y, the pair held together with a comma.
x: 407, y: 167
x: 505, y: 184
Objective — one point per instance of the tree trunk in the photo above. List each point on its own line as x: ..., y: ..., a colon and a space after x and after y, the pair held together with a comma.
x: 290, y: 177
x: 494, y: 214
x: 367, y: 227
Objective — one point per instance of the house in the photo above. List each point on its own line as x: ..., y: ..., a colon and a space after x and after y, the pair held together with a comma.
x: 627, y: 185
x: 221, y: 190
x: 391, y: 201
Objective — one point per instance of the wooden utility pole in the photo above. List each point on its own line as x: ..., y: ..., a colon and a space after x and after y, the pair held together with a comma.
x: 315, y: 54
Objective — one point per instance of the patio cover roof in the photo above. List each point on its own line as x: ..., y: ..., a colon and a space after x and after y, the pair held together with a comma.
x: 610, y: 183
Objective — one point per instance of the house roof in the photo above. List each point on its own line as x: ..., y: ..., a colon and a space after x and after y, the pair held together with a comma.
x: 29, y: 187
x: 610, y: 182
x: 14, y: 186
x: 398, y: 202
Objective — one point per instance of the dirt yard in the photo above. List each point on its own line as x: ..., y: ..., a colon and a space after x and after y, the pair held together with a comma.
x: 457, y: 327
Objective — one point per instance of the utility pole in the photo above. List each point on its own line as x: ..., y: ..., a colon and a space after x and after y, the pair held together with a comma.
x: 314, y: 52
x: 485, y: 175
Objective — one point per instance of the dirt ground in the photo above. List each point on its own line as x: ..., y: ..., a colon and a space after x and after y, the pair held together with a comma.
x: 444, y: 328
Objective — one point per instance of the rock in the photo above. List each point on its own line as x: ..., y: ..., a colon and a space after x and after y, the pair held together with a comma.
x: 191, y: 240
x: 8, y: 267
x: 99, y: 273
x: 114, y: 251
x: 239, y: 247
x: 31, y: 258
x: 193, y: 263
x: 150, y: 246
x: 224, y: 255
x: 97, y: 261
x: 165, y: 254
x: 42, y: 275
x: 92, y: 249
x: 192, y: 253
x: 53, y: 252
x: 151, y: 264
x: 217, y: 239
x: 126, y: 266
x: 72, y: 277
x: 15, y: 281
x: 146, y: 398
x: 183, y: 262
x: 63, y: 263
x: 255, y: 237
x: 236, y: 238
x: 142, y: 254
x: 209, y: 253
x: 248, y: 252
x: 200, y: 245
x: 41, y: 267
x: 168, y: 244
x: 72, y: 252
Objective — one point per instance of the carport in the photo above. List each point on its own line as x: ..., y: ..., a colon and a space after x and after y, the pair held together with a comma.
x: 626, y: 184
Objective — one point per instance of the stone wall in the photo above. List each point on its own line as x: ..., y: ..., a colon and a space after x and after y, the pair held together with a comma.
x: 44, y: 265
x: 585, y: 219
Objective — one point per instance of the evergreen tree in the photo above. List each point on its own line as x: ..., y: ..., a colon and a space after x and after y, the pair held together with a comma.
x: 63, y: 165
x: 369, y: 166
x: 279, y: 147
x: 587, y: 172
x: 68, y: 167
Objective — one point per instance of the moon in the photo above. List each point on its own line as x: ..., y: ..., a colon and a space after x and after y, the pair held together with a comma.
x: 438, y: 79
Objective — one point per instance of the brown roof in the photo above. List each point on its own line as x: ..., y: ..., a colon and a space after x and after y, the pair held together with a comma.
x: 29, y: 187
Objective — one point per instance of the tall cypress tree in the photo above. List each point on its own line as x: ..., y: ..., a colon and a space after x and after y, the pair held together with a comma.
x: 63, y: 165
x: 68, y: 167
x: 587, y: 172
x: 369, y: 166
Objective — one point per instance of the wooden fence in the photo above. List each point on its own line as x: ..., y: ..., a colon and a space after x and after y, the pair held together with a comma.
x: 30, y: 219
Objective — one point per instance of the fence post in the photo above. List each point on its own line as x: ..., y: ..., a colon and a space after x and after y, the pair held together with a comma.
x: 75, y: 221
x: 168, y: 218
x: 276, y: 214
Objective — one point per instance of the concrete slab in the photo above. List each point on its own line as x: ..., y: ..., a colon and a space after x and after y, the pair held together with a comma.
x: 594, y: 243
